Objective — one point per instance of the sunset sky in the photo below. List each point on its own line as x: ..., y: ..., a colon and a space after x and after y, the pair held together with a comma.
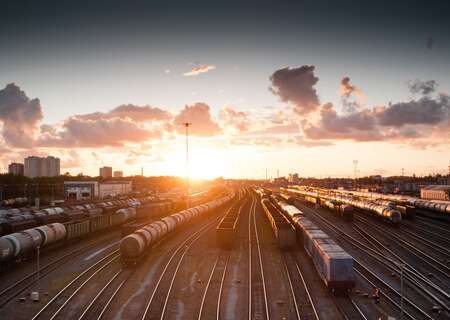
x: 299, y: 86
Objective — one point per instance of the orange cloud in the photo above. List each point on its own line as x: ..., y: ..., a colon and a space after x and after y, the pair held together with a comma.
x: 236, y: 120
x: 200, y: 118
x: 20, y: 116
x: 195, y: 71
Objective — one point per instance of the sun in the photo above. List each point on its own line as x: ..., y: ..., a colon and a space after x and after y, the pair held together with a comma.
x: 206, y: 160
x: 207, y: 163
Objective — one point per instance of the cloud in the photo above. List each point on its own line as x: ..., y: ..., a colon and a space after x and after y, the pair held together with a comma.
x: 413, y: 121
x: 422, y: 87
x: 200, y: 118
x: 358, y: 126
x: 282, y: 129
x: 422, y: 111
x: 20, y: 116
x: 350, y: 96
x: 296, y: 86
x: 203, y: 68
x: 130, y: 111
x: 77, y: 133
x: 346, y: 88
x: 301, y: 141
x: 71, y: 160
x: 236, y: 120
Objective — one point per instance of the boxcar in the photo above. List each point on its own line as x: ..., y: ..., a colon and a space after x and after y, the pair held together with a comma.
x: 77, y: 229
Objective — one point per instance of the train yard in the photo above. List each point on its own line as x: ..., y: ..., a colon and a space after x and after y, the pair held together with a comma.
x: 246, y: 253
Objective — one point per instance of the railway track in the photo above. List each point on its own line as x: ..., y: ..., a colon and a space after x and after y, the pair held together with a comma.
x: 102, y: 300
x: 429, y: 230
x: 258, y: 306
x: 156, y: 306
x: 416, y: 280
x: 303, y: 302
x: 426, y: 258
x: 18, y: 287
x: 210, y: 305
x: 68, y: 292
x: 299, y: 291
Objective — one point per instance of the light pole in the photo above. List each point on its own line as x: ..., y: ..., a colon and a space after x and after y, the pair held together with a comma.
x: 187, y: 125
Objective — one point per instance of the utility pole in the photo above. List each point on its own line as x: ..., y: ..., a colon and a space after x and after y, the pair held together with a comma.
x: 403, y: 172
x: 187, y: 125
x: 355, y: 171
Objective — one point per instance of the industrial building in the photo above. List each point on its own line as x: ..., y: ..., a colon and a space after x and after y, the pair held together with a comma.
x: 118, y: 174
x: 87, y: 190
x: 106, y: 172
x: 293, y: 178
x: 435, y: 192
x: 16, y: 168
x: 42, y: 167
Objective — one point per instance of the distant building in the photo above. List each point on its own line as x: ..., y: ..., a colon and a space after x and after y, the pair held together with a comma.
x: 113, y: 188
x: 293, y: 178
x: 80, y: 190
x: 118, y: 174
x: 376, y: 177
x: 16, y: 168
x: 280, y: 182
x: 106, y: 172
x: 435, y: 192
x: 87, y: 190
x: 42, y: 167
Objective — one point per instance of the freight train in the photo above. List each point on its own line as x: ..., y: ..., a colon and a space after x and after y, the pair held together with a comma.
x: 15, y: 219
x: 14, y: 202
x: 333, y: 264
x: 283, y: 230
x: 345, y: 212
x: 383, y: 212
x: 440, y: 207
x: 21, y: 244
x: 134, y: 246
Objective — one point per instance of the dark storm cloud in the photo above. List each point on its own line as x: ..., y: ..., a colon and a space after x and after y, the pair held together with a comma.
x: 296, y: 86
x: 422, y: 87
x: 20, y: 116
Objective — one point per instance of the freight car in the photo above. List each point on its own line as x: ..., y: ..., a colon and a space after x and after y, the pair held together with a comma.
x: 383, y: 212
x: 441, y: 208
x: 134, y: 246
x: 15, y: 219
x: 14, y: 202
x: 227, y: 228
x: 283, y: 230
x: 345, y: 212
x: 21, y: 244
x: 333, y: 264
